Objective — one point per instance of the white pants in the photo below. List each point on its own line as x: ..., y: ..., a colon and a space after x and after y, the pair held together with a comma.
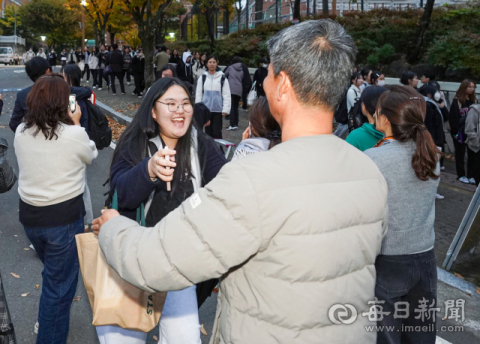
x: 179, y: 323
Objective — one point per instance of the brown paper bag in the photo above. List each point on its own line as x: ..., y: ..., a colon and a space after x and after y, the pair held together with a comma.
x: 113, y: 300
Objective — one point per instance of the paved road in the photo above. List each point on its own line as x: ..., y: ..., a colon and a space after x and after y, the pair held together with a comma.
x: 15, y: 258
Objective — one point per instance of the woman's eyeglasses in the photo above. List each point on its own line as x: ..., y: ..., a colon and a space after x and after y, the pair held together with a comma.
x: 173, y: 106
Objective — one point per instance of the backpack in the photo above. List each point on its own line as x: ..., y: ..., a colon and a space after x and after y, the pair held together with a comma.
x: 341, y: 113
x: 204, y: 79
x: 98, y: 129
x: 7, y: 173
x: 356, y: 117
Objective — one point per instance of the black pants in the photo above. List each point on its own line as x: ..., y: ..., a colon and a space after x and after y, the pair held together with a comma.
x: 407, y: 279
x: 127, y: 73
x: 87, y: 70
x: 94, y: 77
x: 118, y: 75
x: 474, y: 165
x: 234, y: 111
x: 102, y: 76
x: 215, y: 128
x: 138, y: 78
x: 460, y: 149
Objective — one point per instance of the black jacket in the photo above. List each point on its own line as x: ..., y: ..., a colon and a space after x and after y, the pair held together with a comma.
x: 102, y: 59
x: 82, y: 94
x: 456, y: 113
x: 259, y: 76
x: 138, y: 65
x: 185, y: 73
x: 20, y: 108
x: 116, y: 61
x: 434, y: 123
x: 52, y: 59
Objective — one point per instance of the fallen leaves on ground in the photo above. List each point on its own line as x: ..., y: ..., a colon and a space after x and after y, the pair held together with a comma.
x: 26, y: 249
x: 117, y: 128
x: 215, y: 290
x: 133, y: 106
x: 118, y: 110
x: 14, y: 275
x: 37, y: 286
x: 458, y: 275
x: 77, y: 298
x: 203, y: 330
x: 26, y: 294
x: 155, y: 338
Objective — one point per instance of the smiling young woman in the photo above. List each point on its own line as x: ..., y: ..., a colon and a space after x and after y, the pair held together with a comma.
x: 139, y: 174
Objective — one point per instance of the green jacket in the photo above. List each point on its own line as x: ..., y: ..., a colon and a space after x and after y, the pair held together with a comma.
x: 364, y: 137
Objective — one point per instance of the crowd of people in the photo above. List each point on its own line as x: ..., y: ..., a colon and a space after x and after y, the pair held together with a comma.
x: 298, y: 221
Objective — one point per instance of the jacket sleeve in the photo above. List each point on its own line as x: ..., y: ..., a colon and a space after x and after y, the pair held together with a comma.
x: 133, y: 184
x: 18, y: 113
x: 227, y: 98
x: 199, y: 92
x: 215, y: 229
x: 454, y: 116
x: 350, y: 99
x: 471, y: 124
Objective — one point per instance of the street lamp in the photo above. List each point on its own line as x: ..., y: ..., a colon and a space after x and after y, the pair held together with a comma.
x: 43, y: 42
x: 172, y: 35
x: 84, y: 4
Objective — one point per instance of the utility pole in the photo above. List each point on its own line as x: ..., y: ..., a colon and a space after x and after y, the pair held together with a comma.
x: 276, y: 11
x: 246, y: 17
x: 308, y: 8
x: 15, y: 29
x: 84, y: 3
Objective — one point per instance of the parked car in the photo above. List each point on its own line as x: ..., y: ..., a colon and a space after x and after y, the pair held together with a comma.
x: 6, y: 55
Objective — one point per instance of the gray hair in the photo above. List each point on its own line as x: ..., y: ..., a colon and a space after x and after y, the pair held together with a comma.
x: 318, y: 56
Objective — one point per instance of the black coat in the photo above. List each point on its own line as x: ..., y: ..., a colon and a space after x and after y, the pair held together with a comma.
x: 185, y: 73
x: 434, y: 124
x: 116, y: 61
x: 20, y: 108
x: 138, y: 65
x: 52, y: 59
x: 259, y: 76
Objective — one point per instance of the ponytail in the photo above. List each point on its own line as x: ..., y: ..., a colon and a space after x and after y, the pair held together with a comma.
x: 406, y: 111
x: 426, y: 156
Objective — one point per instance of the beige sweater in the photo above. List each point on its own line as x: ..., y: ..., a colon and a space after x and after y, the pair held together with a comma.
x: 52, y: 171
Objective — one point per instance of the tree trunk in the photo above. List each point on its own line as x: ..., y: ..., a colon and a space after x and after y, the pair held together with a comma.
x: 147, y: 37
x: 258, y: 12
x: 102, y: 35
x: 296, y: 10
x: 112, y: 37
x: 226, y: 22
x: 211, y: 34
x: 422, y: 28
x: 325, y: 7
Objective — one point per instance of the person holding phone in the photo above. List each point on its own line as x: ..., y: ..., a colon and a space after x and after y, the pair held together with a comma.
x: 163, y: 120
x: 53, y: 151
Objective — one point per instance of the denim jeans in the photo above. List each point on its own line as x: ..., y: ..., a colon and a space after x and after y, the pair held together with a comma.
x: 409, y: 279
x: 57, y: 250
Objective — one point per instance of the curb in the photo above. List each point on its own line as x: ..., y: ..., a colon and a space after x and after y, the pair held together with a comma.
x: 456, y: 282
x: 115, y: 115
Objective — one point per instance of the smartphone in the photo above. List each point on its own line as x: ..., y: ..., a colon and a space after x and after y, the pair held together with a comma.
x: 71, y: 102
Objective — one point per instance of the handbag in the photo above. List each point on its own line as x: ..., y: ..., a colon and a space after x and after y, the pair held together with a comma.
x: 7, y: 331
x: 108, y: 70
x: 113, y: 300
x: 252, y: 95
x: 7, y: 173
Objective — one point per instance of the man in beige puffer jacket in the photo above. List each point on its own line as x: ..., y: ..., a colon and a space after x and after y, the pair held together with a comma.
x: 291, y: 231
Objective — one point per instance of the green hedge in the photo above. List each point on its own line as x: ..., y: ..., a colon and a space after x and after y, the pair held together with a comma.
x: 377, y: 33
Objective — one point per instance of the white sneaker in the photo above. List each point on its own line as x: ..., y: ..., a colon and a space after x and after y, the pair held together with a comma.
x: 472, y: 181
x: 99, y: 88
x: 128, y: 84
x: 464, y: 180
x: 438, y: 196
x: 442, y: 168
x: 81, y: 79
x: 35, y: 328
x: 94, y: 87
x: 88, y: 81
x: 230, y: 128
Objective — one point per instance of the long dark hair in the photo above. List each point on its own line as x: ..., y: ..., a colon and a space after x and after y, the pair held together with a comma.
x: 462, y: 95
x: 405, y: 110
x: 263, y: 123
x: 73, y: 73
x: 168, y: 66
x: 48, y: 105
x: 132, y: 146
x: 370, y: 97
